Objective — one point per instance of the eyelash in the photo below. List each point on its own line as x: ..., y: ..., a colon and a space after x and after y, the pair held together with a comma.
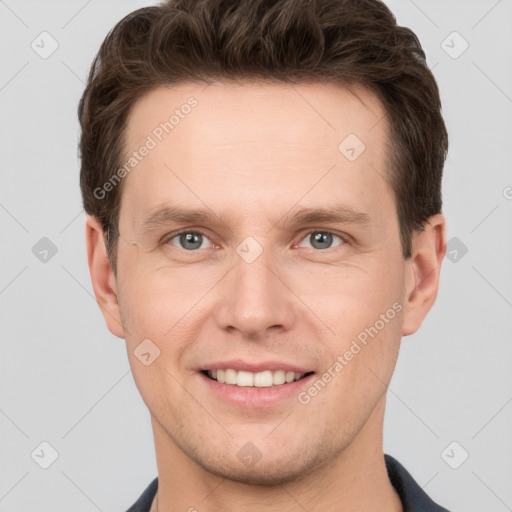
x: 344, y: 238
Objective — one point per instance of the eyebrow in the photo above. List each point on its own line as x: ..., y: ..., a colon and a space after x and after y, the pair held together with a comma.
x: 341, y: 214
x: 337, y: 214
x: 166, y: 215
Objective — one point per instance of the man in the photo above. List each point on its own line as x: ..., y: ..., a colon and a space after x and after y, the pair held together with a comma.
x: 263, y: 184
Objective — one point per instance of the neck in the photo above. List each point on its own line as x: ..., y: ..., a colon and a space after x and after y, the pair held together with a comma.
x: 354, y: 480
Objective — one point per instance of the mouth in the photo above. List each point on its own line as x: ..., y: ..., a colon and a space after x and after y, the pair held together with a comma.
x: 263, y: 379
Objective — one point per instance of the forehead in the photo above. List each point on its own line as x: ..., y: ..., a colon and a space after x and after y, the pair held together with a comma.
x: 252, y: 138
x: 316, y: 112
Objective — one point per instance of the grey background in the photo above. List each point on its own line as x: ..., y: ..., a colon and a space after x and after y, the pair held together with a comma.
x: 66, y: 380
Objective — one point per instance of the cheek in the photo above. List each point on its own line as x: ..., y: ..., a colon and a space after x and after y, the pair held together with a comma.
x: 154, y: 314
x: 363, y: 355
x: 361, y: 308
x: 155, y: 298
x: 348, y: 298
x: 167, y: 308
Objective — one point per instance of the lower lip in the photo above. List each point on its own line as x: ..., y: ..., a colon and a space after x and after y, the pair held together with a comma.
x: 255, y: 397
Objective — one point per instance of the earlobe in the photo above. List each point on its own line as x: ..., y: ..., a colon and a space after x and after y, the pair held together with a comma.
x: 423, y: 272
x: 102, y: 276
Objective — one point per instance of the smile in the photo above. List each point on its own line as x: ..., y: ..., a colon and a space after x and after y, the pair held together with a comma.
x: 262, y: 379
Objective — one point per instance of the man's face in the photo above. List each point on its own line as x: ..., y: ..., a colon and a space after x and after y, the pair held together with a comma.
x: 260, y: 288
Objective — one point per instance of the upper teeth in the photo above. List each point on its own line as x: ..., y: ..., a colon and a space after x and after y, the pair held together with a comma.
x: 258, y: 380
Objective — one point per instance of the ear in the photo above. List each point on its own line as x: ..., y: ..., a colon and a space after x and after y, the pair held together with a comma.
x: 422, y: 272
x: 102, y: 276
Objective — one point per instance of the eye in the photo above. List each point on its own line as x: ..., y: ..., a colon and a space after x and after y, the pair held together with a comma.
x: 321, y: 240
x: 188, y: 240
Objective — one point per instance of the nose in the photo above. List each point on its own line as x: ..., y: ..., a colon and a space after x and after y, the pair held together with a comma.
x: 255, y: 299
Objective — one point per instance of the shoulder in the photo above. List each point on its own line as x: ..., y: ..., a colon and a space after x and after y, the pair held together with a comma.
x: 413, y: 497
x: 143, y: 504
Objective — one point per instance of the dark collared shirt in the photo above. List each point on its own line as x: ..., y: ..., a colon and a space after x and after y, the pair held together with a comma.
x: 413, y: 497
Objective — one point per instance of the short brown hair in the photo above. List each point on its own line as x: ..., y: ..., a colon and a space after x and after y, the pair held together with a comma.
x: 346, y: 42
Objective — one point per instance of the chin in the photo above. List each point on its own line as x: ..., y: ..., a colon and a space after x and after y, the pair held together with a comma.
x: 275, y: 471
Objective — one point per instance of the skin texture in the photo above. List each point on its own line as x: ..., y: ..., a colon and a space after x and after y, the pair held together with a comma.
x: 252, y: 154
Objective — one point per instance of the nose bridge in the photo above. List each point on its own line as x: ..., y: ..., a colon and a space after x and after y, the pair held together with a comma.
x: 255, y: 299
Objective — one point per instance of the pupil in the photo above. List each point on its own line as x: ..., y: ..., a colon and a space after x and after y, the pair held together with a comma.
x: 191, y: 241
x: 321, y: 240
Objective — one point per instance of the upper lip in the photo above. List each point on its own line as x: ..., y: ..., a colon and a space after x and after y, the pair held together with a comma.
x: 255, y: 367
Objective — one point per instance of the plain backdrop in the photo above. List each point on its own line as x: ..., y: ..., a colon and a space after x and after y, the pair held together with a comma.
x: 65, y: 380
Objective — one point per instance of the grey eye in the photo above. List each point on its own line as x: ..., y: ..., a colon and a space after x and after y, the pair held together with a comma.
x: 188, y: 240
x: 321, y: 240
